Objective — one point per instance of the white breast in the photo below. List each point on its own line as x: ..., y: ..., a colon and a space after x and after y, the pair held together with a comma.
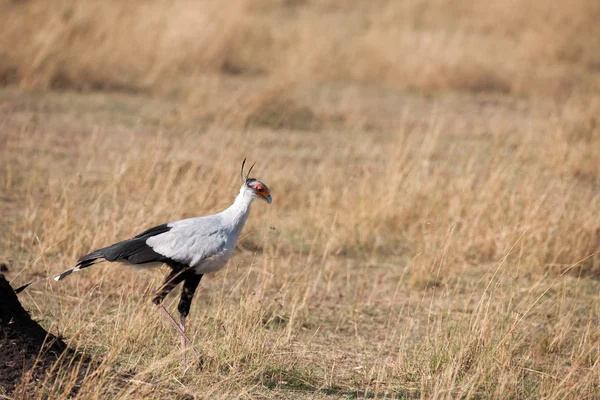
x: 204, y: 243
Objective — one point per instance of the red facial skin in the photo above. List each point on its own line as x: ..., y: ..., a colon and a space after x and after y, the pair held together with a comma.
x: 261, y: 190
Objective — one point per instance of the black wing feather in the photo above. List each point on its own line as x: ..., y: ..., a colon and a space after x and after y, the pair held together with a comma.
x: 157, y: 230
x: 134, y: 250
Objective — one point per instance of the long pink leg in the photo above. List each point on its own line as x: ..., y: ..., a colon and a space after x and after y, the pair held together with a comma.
x: 184, y: 336
x: 183, y: 341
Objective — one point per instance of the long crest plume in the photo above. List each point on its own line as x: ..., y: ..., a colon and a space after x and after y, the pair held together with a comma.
x: 246, y: 176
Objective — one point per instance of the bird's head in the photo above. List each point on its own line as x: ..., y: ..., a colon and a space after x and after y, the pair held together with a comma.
x: 256, y: 188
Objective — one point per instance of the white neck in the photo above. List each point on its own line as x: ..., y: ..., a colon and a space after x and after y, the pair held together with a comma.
x: 238, y: 212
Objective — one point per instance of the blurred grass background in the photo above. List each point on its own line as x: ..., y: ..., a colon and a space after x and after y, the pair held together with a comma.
x: 518, y: 47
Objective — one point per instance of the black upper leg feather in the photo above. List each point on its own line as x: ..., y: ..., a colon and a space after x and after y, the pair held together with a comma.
x: 175, y: 277
x: 187, y: 292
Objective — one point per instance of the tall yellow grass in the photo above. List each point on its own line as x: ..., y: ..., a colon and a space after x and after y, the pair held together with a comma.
x: 436, y: 219
x: 413, y: 262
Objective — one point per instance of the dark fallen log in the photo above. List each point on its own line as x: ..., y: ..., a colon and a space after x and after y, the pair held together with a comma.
x: 24, y: 344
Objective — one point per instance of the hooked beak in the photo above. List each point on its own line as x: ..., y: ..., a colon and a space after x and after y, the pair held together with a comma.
x: 268, y: 199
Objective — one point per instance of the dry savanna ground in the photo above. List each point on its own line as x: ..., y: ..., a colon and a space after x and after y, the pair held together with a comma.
x: 435, y: 171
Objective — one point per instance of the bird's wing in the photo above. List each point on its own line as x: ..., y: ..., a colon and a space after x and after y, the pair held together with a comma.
x: 191, y: 241
x: 134, y: 250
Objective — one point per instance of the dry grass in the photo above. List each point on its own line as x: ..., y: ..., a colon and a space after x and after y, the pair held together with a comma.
x: 438, y: 244
x: 518, y: 46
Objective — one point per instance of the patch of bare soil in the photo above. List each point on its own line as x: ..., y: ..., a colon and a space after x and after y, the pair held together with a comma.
x: 24, y: 344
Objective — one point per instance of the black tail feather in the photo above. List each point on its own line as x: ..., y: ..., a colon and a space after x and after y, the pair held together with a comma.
x: 25, y: 286
x: 83, y: 262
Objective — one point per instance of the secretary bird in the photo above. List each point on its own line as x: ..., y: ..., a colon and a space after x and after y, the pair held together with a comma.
x: 190, y: 247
